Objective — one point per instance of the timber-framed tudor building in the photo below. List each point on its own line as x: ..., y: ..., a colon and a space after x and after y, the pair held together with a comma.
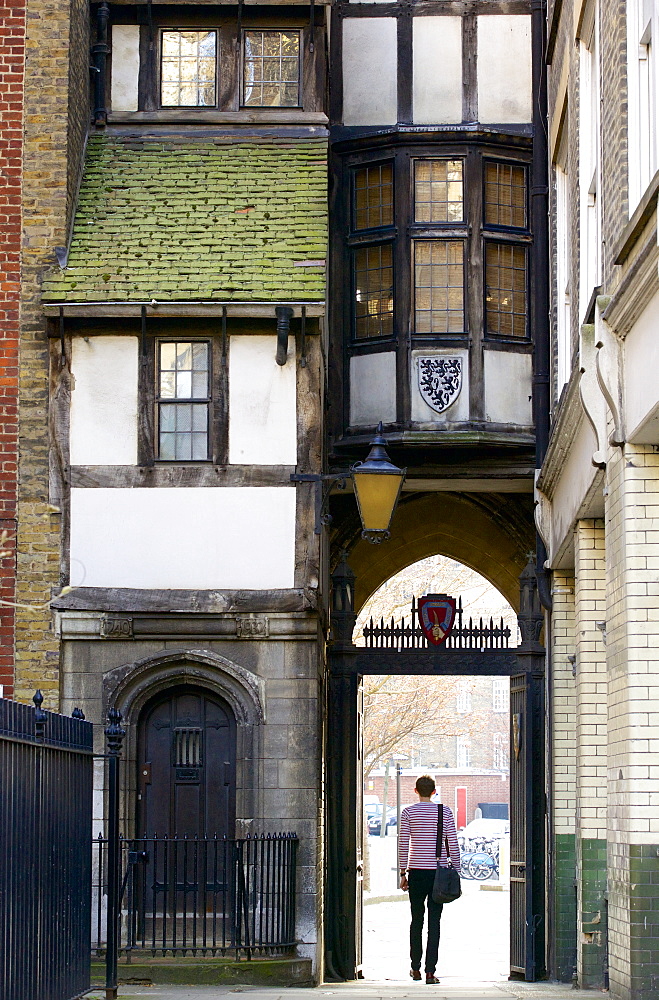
x: 238, y: 237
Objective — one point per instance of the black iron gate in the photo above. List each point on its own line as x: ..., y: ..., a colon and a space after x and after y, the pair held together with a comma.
x: 45, y: 852
x: 473, y: 649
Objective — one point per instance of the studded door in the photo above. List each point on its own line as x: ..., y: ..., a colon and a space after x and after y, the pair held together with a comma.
x: 187, y: 766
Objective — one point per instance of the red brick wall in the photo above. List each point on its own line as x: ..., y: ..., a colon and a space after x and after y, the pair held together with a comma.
x: 480, y: 788
x: 12, y: 59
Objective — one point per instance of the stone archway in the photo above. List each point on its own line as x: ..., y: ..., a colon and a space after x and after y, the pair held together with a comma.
x: 132, y: 685
x: 491, y: 534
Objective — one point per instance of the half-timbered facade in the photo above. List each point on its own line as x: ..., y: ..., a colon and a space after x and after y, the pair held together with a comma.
x: 253, y: 234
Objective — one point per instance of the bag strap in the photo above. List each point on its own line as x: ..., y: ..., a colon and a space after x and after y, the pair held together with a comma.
x: 440, y: 833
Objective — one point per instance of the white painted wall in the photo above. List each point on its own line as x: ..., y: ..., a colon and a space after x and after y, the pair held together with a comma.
x: 125, y: 66
x: 190, y: 538
x: 508, y: 387
x: 437, y: 70
x: 504, y: 95
x: 262, y: 402
x: 641, y: 362
x: 370, y: 88
x: 104, y: 400
x: 458, y: 411
x: 372, y: 389
x: 571, y: 497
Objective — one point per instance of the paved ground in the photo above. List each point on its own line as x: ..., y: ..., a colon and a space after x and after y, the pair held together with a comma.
x: 463, y: 990
x: 474, y: 930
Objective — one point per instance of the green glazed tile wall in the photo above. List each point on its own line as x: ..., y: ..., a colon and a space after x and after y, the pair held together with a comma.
x: 565, y: 907
x: 593, y: 913
x: 186, y: 219
x: 634, y: 920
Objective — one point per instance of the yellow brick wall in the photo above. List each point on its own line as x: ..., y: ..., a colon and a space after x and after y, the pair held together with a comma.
x: 54, y: 121
x: 563, y: 703
x: 591, y: 683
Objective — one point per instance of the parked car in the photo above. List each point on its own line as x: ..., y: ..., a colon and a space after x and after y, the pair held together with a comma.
x: 483, y: 829
x: 374, y: 821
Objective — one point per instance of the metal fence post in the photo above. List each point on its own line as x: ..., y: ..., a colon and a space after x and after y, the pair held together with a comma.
x: 114, y: 735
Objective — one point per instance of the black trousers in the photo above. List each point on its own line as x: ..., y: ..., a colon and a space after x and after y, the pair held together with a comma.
x: 420, y: 882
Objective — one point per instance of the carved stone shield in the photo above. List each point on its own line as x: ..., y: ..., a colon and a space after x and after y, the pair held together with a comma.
x: 440, y: 380
x: 436, y: 617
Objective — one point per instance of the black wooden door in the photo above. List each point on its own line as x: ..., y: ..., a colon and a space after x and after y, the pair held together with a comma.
x: 187, y: 766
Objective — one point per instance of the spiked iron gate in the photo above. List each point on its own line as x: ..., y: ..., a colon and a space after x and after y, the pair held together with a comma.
x: 471, y: 649
x: 46, y: 771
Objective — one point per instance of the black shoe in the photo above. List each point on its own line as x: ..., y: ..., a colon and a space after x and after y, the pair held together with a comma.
x: 416, y: 975
x: 431, y: 980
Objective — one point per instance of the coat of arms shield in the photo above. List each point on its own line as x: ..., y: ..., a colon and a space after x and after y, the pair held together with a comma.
x: 440, y: 380
x: 436, y: 617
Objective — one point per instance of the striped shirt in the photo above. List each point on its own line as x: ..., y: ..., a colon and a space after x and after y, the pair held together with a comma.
x: 419, y: 823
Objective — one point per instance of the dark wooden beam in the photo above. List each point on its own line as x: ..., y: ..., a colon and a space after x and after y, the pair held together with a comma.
x: 438, y: 662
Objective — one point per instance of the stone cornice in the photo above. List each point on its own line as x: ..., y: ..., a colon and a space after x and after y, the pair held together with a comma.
x: 563, y: 433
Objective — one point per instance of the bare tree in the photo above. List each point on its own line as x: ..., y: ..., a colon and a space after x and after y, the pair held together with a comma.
x: 403, y: 711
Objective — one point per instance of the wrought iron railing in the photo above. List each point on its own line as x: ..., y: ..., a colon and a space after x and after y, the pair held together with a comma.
x: 46, y: 773
x: 408, y: 634
x: 201, y: 895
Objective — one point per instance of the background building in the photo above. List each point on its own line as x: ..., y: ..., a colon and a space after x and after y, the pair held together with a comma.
x: 597, y: 492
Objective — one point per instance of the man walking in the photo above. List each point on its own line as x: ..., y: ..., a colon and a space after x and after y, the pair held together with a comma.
x: 417, y: 862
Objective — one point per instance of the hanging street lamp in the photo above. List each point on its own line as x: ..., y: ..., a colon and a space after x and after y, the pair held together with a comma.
x: 377, y: 483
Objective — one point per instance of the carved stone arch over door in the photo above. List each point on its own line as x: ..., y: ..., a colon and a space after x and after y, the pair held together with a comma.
x: 134, y: 686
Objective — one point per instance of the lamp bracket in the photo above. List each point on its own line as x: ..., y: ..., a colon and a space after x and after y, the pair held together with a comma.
x: 323, y: 484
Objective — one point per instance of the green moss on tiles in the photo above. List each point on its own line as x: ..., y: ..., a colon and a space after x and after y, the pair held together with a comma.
x: 172, y: 219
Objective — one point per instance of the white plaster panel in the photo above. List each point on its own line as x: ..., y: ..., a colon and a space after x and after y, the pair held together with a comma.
x: 213, y: 538
x: 574, y: 486
x: 437, y: 70
x: 370, y: 88
x: 262, y: 402
x: 104, y: 400
x: 504, y: 68
x: 372, y: 389
x: 641, y: 362
x: 508, y: 387
x: 458, y: 411
x: 125, y: 66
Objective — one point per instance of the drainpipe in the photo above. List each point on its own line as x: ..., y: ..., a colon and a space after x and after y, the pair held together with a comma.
x: 284, y: 316
x: 100, y: 53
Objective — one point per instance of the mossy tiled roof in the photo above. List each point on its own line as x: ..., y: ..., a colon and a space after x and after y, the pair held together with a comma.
x: 198, y: 219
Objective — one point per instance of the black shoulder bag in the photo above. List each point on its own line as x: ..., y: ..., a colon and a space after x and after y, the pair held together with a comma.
x: 446, y: 886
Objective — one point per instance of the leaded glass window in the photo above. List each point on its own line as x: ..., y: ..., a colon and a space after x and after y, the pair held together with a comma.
x: 505, y: 195
x: 374, y: 291
x: 374, y: 197
x: 505, y: 289
x: 183, y: 400
x: 439, y: 286
x: 438, y: 191
x: 271, y: 69
x: 188, y: 69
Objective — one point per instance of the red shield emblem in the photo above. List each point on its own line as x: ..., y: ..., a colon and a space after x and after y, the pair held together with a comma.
x: 436, y: 617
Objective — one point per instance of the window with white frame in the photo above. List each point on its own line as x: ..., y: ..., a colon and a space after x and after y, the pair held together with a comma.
x: 463, y: 752
x: 463, y: 698
x: 499, y: 752
x: 642, y: 96
x: 562, y: 288
x: 500, y: 692
x: 589, y: 158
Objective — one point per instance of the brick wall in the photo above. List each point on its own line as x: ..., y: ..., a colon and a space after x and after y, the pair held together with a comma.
x: 563, y: 779
x: 480, y: 788
x: 12, y: 60
x: 56, y: 110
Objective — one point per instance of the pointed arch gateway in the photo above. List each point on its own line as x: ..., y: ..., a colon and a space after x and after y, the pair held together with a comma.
x: 485, y: 538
